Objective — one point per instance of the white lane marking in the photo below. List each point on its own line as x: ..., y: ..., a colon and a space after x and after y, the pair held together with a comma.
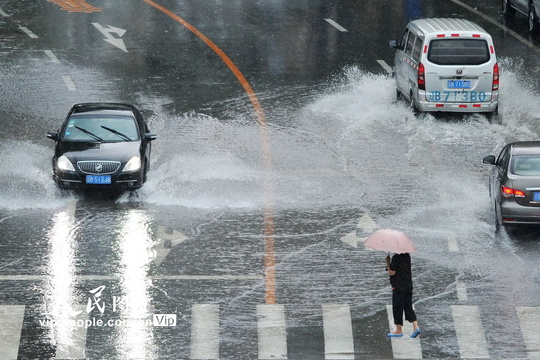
x: 11, y: 322
x: 461, y: 289
x: 496, y: 23
x: 453, y: 244
x: 529, y: 318
x: 365, y: 226
x: 338, y: 334
x: 404, y: 347
x: 470, y: 333
x: 51, y: 56
x: 272, y: 333
x: 205, y: 331
x: 336, y: 25
x: 117, y: 277
x: 71, y: 337
x: 385, y: 66
x: 4, y: 14
x: 28, y: 32
x: 69, y: 83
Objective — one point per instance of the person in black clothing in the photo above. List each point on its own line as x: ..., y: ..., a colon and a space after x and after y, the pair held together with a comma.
x: 399, y: 268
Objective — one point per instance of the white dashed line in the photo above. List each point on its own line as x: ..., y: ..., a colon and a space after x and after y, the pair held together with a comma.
x: 385, y: 66
x: 336, y: 25
x: 69, y: 83
x: 3, y: 13
x: 28, y: 32
x: 51, y: 56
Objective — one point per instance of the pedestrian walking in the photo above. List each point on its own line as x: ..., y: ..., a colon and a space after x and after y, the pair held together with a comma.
x: 399, y: 269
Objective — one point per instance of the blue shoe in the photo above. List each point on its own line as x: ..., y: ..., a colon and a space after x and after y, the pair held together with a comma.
x: 415, y: 333
x: 394, y: 335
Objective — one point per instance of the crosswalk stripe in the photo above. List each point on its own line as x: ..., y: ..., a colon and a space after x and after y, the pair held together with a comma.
x: 11, y: 322
x: 271, y: 328
x: 71, y: 336
x: 205, y: 331
x: 338, y: 335
x: 470, y: 333
x: 529, y: 318
x: 404, y: 347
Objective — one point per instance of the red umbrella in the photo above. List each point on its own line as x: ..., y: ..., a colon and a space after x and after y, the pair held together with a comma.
x: 390, y: 241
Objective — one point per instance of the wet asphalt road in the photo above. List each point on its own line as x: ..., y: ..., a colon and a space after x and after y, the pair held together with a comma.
x: 280, y: 148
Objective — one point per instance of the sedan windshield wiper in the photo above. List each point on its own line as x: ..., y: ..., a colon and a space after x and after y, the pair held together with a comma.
x: 116, y: 132
x: 89, y: 133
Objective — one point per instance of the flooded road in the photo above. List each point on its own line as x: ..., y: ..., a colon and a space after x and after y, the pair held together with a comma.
x: 246, y: 241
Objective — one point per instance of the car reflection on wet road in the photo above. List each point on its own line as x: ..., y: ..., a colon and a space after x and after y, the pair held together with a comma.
x: 222, y: 256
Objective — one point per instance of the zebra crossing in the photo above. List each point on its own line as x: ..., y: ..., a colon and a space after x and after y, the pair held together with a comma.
x: 271, y: 324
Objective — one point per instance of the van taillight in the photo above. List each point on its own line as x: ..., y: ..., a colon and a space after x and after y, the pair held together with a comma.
x: 422, y: 77
x: 495, y: 77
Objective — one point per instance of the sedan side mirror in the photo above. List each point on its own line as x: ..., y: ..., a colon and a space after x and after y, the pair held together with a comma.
x: 490, y: 159
x: 52, y: 135
x: 150, y: 136
x: 394, y: 44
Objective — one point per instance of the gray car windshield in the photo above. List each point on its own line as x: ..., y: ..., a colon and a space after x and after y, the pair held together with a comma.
x: 101, y: 129
x: 525, y: 165
x: 458, y: 52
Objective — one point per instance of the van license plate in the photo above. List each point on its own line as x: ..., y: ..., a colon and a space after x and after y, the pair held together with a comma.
x: 459, y: 84
x: 98, y: 179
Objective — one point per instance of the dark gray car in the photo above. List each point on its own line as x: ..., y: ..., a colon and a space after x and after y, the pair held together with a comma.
x: 527, y: 7
x: 514, y: 183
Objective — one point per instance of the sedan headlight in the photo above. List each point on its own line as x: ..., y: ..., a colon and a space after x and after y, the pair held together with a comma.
x: 64, y: 164
x: 134, y: 164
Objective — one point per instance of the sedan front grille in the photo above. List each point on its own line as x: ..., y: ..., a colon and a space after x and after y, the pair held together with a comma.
x: 98, y: 167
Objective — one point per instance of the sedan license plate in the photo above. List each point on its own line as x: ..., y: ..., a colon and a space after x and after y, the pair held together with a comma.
x: 98, y: 179
x: 459, y: 84
x: 536, y: 196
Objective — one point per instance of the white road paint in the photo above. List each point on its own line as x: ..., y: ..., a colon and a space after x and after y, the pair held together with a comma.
x: 72, y: 343
x: 453, y: 244
x: 366, y: 226
x: 529, y: 318
x: 404, y: 347
x: 69, y: 83
x: 461, y: 290
x: 385, y: 66
x: 11, y: 322
x: 271, y: 328
x: 4, y: 14
x: 338, y: 333
x: 51, y: 56
x: 336, y: 25
x: 470, y: 332
x: 205, y: 331
x: 28, y: 32
x: 109, y: 35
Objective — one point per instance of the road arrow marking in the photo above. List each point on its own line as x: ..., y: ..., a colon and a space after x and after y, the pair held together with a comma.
x: 365, y: 226
x: 108, y: 32
x: 167, y: 239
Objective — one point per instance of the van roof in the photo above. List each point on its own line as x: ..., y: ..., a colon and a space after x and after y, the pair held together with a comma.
x: 433, y: 25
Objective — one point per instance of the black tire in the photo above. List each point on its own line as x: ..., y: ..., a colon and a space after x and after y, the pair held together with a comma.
x: 506, y: 9
x: 413, y: 106
x: 533, y: 19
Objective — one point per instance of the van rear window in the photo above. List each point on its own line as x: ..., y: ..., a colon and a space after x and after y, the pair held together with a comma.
x: 458, y: 51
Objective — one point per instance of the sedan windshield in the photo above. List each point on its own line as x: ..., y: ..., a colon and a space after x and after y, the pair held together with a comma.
x: 101, y: 129
x: 525, y: 165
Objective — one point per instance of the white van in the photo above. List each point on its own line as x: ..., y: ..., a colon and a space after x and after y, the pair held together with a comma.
x: 447, y: 65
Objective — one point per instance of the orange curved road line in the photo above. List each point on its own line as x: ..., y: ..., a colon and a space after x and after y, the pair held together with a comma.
x: 269, y: 256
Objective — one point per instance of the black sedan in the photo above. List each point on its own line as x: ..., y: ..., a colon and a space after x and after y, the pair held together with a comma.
x: 515, y: 183
x: 102, y: 145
